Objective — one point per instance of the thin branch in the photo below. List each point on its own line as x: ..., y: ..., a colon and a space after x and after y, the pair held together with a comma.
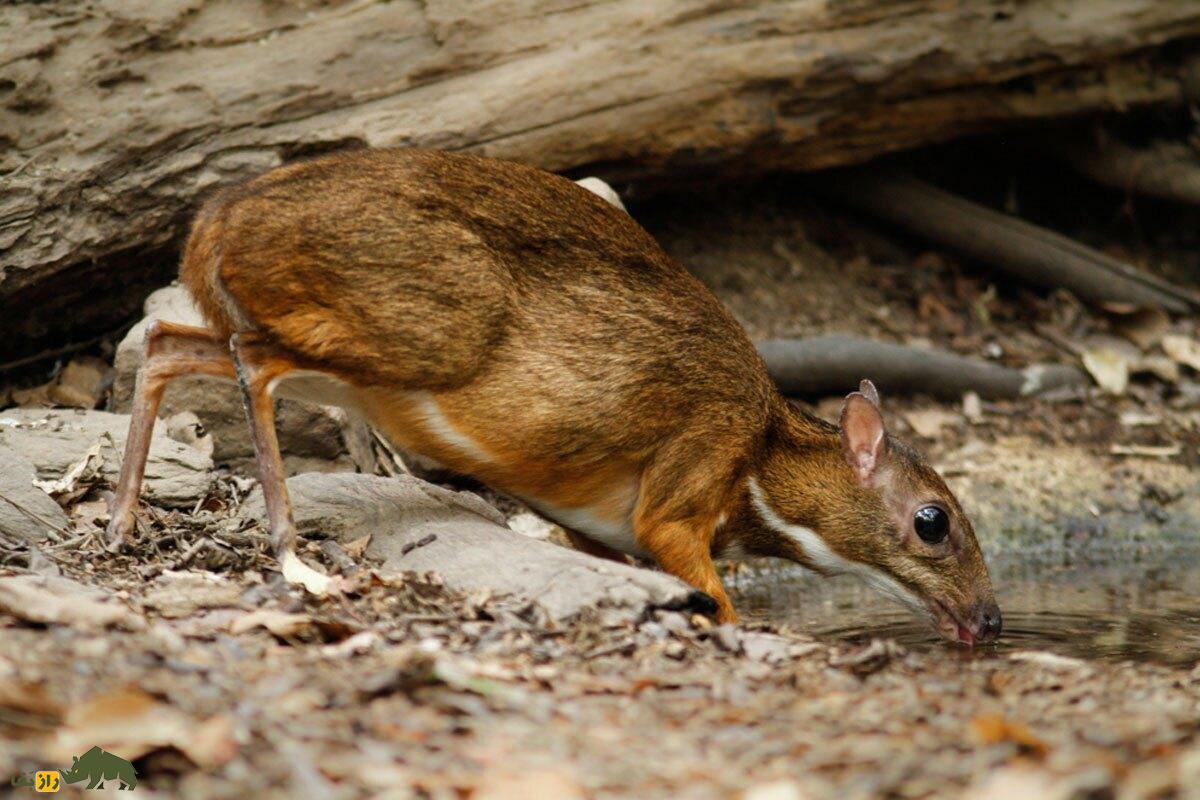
x: 1017, y: 248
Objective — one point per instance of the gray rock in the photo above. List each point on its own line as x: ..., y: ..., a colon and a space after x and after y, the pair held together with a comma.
x: 1031, y: 496
x: 25, y: 510
x: 55, y: 600
x: 419, y: 527
x: 307, y: 432
x: 176, y: 475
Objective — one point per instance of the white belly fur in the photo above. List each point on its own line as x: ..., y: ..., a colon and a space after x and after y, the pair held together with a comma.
x: 322, y: 388
x: 617, y: 535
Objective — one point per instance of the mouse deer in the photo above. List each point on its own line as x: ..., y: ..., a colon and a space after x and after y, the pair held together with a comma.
x: 515, y: 327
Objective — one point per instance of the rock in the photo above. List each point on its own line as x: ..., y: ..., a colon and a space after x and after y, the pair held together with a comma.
x: 766, y: 647
x: 54, y: 600
x: 419, y: 527
x: 187, y: 428
x: 25, y: 510
x: 307, y: 432
x: 82, y: 383
x: 1032, y: 496
x: 176, y: 475
x: 530, y: 524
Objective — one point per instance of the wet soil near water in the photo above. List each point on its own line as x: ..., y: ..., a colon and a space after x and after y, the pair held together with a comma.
x: 1125, y: 605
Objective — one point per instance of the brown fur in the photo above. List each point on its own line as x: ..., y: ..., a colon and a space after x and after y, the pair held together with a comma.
x: 586, y: 368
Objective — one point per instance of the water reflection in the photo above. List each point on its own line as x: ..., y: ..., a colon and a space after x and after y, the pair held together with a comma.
x: 1140, y: 606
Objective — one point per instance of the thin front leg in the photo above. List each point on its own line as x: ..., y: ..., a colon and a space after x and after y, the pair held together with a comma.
x: 170, y: 350
x: 679, y: 505
x: 259, y: 364
x: 682, y: 549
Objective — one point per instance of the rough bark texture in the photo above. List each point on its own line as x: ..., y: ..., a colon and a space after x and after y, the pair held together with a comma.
x: 118, y: 115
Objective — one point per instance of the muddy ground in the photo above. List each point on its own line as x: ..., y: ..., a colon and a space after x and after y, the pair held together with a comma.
x: 221, y: 681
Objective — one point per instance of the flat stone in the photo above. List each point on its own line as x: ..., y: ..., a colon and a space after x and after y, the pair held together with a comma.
x: 52, y: 440
x: 419, y: 527
x: 25, y: 510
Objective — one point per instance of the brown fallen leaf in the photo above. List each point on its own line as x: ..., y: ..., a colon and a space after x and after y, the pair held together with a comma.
x: 27, y: 709
x: 1145, y: 327
x: 54, y: 600
x: 78, y: 478
x: 1109, y: 368
x: 1146, y: 451
x: 356, y: 548
x: 131, y: 723
x: 537, y: 785
x: 928, y: 422
x: 1160, y: 366
x: 867, y: 659
x: 180, y: 594
x: 35, y: 397
x: 994, y: 729
x: 81, y: 384
x: 1183, y: 349
x: 278, y: 623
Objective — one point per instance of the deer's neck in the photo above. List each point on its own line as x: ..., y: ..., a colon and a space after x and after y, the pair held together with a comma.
x: 795, y: 480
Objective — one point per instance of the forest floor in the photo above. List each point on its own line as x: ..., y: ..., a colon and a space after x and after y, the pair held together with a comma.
x: 225, y: 682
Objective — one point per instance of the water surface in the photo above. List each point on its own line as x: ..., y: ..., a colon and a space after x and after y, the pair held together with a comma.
x: 1122, y: 606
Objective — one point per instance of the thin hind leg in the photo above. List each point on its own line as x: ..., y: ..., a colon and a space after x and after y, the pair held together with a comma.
x: 170, y: 351
x: 260, y: 366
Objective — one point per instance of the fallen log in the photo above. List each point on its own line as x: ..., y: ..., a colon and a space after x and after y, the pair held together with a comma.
x: 1017, y: 248
x: 117, y: 116
x: 834, y: 364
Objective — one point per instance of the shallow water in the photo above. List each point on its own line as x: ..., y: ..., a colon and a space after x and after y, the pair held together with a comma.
x: 1126, y: 606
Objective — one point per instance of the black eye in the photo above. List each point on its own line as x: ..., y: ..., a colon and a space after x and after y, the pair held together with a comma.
x: 931, y: 524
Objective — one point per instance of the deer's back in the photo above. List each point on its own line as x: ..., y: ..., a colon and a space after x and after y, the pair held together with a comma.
x: 426, y: 270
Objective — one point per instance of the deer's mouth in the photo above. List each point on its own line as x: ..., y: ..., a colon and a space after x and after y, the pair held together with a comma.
x: 949, y: 625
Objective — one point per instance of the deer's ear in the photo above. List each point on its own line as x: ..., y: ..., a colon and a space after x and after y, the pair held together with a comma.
x: 864, y: 441
x: 867, y: 390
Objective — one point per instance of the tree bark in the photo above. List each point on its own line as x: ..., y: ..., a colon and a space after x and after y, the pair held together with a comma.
x: 117, y: 116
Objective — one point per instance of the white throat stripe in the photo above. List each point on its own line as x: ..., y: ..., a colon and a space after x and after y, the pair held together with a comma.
x: 821, y: 556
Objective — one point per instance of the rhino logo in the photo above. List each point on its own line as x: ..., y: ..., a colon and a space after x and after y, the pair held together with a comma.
x: 97, y: 766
